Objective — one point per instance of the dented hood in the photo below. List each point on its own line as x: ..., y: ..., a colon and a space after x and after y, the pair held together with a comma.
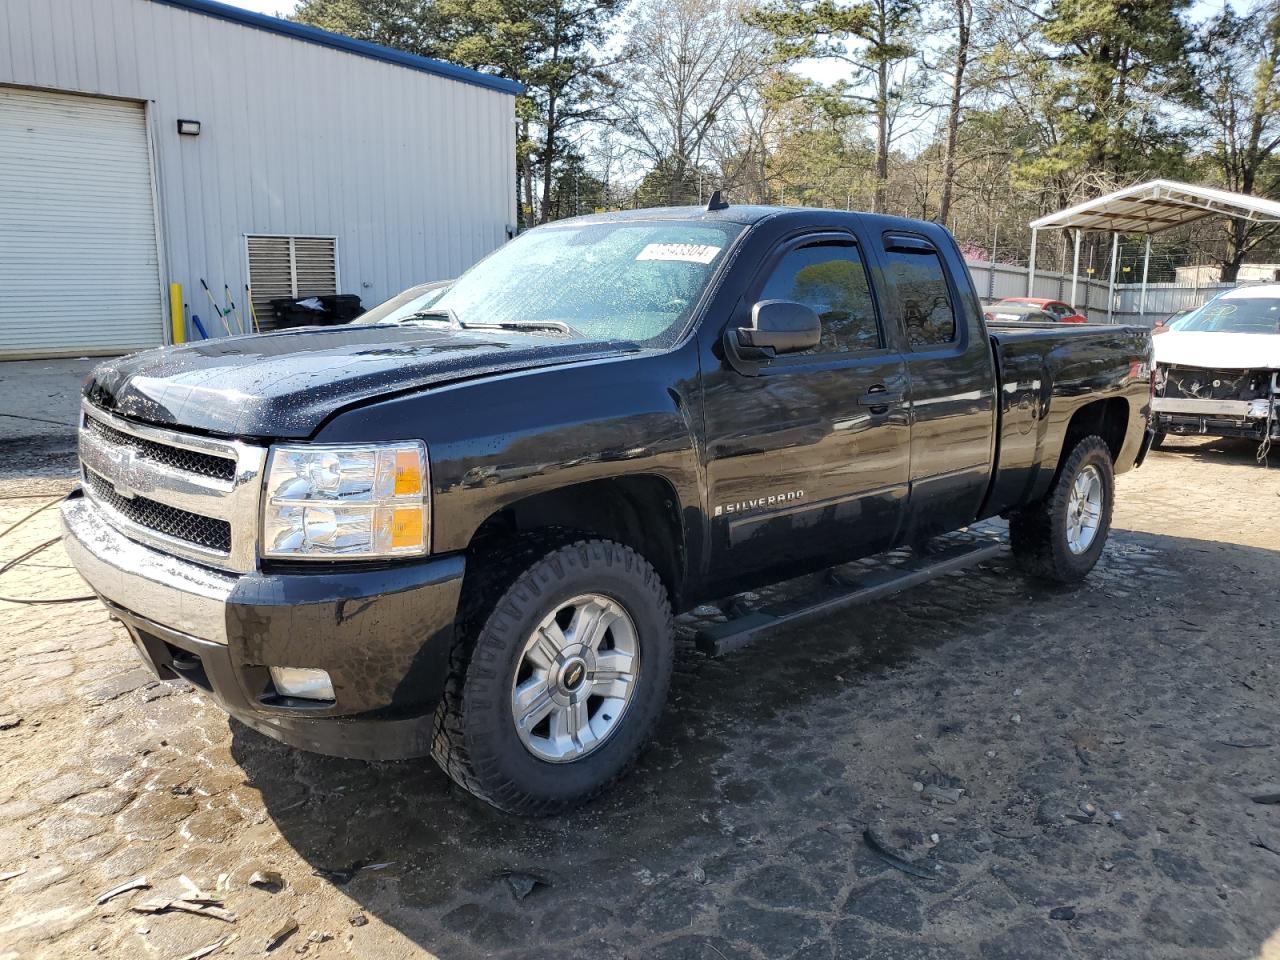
x: 1218, y: 351
x: 285, y: 384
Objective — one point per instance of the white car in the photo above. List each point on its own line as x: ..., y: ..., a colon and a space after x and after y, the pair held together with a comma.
x: 406, y: 304
x: 1218, y: 370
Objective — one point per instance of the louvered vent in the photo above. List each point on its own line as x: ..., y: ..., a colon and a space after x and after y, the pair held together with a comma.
x: 290, y: 267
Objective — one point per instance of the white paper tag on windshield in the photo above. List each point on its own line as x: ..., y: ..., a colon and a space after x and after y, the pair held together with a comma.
x: 683, y: 252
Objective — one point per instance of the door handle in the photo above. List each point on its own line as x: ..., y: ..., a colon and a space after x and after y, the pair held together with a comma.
x: 878, y: 396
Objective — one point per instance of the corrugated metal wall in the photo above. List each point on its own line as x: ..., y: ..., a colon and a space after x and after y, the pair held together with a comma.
x: 412, y: 172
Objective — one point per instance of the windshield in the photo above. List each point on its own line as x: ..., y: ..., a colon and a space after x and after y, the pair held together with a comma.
x: 631, y: 280
x: 1234, y: 312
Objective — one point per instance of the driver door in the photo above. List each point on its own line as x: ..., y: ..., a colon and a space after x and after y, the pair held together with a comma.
x: 808, y: 459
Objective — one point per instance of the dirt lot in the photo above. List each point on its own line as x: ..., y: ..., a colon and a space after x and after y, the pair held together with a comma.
x: 1146, y: 695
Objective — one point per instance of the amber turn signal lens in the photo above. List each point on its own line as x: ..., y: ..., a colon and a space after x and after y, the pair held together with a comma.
x: 406, y: 527
x: 408, y: 474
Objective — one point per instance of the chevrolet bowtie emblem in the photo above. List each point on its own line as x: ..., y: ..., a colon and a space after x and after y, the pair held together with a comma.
x: 125, y: 462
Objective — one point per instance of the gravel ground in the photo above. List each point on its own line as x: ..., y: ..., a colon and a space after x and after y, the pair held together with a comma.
x: 1102, y: 744
x: 39, y: 402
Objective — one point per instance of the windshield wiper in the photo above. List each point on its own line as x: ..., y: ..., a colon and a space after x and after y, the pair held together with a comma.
x: 557, y: 325
x: 448, y: 316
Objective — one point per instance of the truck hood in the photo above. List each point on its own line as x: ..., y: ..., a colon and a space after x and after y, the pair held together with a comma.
x: 285, y: 384
x: 1218, y: 351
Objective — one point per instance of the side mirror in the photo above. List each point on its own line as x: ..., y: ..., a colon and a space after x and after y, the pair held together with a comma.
x: 781, y: 326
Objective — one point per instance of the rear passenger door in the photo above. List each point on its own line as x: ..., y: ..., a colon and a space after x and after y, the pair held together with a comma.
x: 952, y: 382
x: 808, y: 457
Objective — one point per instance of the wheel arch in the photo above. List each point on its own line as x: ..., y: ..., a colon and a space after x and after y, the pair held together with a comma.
x: 1108, y: 419
x: 641, y: 511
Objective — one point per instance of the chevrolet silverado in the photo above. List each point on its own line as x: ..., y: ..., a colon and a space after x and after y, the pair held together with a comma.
x: 465, y: 531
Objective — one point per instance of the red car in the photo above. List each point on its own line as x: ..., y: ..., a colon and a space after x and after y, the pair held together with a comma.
x: 1061, y: 312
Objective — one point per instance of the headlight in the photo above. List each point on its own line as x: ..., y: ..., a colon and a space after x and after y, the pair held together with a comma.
x: 327, y: 502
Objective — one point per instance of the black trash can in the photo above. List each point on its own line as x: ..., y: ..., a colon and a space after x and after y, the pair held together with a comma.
x: 343, y: 306
x: 290, y: 312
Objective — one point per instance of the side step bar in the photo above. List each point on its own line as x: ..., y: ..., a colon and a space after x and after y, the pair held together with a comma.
x: 720, y: 638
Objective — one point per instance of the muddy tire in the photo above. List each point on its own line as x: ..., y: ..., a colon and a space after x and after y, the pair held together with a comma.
x: 1062, y: 537
x: 558, y: 689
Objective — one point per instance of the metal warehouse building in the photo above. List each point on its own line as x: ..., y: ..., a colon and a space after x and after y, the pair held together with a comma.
x: 151, y: 142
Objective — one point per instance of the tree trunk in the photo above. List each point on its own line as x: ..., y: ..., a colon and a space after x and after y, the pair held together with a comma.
x: 953, y: 111
x: 526, y: 212
x: 1232, y: 262
x: 882, y: 136
x: 548, y: 160
x: 1238, y: 234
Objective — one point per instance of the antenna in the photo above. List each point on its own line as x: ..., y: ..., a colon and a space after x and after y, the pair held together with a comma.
x: 717, y: 202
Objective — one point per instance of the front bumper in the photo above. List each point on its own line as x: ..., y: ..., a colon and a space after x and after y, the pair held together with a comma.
x: 1247, y: 419
x: 383, y: 634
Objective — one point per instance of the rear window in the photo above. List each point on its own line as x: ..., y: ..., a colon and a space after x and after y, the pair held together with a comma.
x: 921, y: 286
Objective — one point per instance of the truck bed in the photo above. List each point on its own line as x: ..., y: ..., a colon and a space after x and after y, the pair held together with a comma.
x: 1036, y: 362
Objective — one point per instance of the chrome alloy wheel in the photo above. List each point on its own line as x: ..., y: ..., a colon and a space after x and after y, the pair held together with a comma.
x: 1084, y: 509
x: 575, y: 678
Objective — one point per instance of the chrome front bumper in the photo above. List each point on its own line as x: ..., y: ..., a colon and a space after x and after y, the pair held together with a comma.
x: 383, y: 634
x: 177, y: 593
x: 1240, y: 409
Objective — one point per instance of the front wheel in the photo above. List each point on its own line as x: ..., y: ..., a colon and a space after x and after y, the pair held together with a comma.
x: 1062, y: 537
x: 563, y: 683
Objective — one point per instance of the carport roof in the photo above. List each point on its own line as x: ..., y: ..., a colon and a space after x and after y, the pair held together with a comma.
x: 1159, y: 205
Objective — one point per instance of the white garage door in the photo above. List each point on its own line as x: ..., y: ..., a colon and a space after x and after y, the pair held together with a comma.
x: 78, y: 254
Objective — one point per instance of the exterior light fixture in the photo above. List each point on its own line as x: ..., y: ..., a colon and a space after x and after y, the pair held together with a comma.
x: 189, y: 128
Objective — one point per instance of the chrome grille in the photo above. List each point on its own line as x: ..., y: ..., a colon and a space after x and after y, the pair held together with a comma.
x: 170, y: 521
x: 184, y: 494
x: 201, y: 464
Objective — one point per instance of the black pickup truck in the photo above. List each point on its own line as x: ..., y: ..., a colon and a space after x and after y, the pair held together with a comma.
x: 466, y: 532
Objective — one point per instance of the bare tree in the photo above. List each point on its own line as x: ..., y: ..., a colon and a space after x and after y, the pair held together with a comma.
x: 876, y: 39
x: 683, y: 66
x: 1239, y: 74
x: 962, y: 24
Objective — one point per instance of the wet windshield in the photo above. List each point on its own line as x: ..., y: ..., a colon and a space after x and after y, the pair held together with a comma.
x: 1234, y: 312
x: 631, y: 280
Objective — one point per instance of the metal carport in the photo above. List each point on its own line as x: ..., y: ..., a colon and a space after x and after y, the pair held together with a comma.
x: 1147, y: 208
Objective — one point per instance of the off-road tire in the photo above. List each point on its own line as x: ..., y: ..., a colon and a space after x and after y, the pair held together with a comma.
x: 475, y: 739
x: 1038, y: 533
x: 1157, y: 442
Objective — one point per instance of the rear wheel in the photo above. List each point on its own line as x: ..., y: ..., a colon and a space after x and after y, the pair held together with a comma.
x: 563, y: 683
x: 1062, y: 537
x: 1158, y: 440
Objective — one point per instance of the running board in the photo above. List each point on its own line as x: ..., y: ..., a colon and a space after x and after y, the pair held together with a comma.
x: 720, y: 638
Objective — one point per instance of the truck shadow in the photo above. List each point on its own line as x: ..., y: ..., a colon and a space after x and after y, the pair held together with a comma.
x: 770, y: 762
x: 1224, y: 450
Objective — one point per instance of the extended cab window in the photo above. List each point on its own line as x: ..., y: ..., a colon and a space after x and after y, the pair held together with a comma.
x: 915, y: 270
x: 830, y: 278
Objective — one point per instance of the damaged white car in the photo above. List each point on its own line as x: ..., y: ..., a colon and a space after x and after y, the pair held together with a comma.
x: 1218, y: 371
